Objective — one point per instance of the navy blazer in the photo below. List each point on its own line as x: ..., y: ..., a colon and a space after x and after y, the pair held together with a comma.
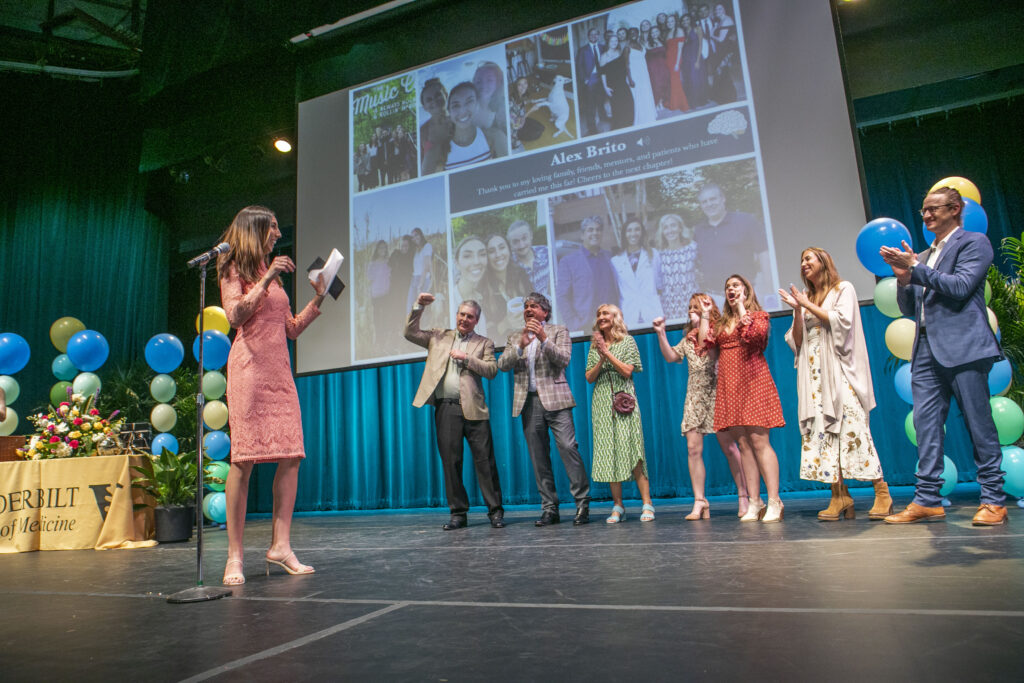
x: 952, y: 294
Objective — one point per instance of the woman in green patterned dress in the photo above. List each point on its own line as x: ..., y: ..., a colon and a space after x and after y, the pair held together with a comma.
x: 618, y: 438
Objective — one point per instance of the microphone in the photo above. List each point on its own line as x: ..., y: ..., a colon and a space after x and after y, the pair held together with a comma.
x: 205, y: 257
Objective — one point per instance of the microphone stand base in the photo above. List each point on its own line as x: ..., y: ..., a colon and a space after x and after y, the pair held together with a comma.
x: 198, y: 594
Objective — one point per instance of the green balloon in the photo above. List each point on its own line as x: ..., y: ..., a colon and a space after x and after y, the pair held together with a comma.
x: 214, y: 385
x: 163, y: 418
x: 10, y: 423
x: 908, y: 427
x: 59, y: 393
x: 86, y: 383
x: 163, y: 388
x: 1009, y: 419
x: 219, y: 470
x: 885, y: 298
x: 988, y: 292
x: 10, y: 387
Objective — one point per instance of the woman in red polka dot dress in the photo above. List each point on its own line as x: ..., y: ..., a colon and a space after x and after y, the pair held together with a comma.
x: 746, y: 402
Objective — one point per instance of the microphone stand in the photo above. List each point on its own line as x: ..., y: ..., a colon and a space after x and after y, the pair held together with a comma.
x: 199, y: 592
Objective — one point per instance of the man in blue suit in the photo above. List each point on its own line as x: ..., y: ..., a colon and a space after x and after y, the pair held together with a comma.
x: 588, y: 62
x: 944, y: 289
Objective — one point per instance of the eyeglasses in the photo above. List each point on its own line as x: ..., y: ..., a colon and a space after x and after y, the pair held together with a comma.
x: 932, y: 209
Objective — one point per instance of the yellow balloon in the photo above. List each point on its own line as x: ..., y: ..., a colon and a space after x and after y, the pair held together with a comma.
x: 214, y: 318
x: 993, y: 321
x: 63, y: 329
x: 215, y: 414
x: 163, y: 418
x: 962, y: 185
x: 10, y: 423
x: 899, y: 337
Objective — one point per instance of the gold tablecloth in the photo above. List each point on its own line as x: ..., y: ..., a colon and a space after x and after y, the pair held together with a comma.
x: 72, y: 504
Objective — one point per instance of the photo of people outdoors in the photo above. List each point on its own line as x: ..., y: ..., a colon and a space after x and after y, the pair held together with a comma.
x: 501, y: 256
x: 648, y: 245
x: 384, y: 133
x: 653, y: 60
x: 463, y: 111
x: 541, y: 98
x: 399, y: 248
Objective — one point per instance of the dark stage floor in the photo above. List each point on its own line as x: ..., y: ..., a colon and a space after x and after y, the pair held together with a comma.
x: 397, y: 598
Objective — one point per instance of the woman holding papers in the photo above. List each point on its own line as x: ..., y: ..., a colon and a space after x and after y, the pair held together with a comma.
x: 264, y: 418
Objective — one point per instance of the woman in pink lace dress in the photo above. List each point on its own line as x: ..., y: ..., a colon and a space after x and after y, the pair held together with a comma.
x: 264, y: 406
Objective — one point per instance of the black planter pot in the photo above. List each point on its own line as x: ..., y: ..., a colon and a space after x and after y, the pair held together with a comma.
x: 174, y: 523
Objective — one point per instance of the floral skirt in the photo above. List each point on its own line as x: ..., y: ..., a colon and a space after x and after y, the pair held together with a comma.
x: 850, y: 453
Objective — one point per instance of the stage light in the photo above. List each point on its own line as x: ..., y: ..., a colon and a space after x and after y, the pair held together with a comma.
x: 282, y: 145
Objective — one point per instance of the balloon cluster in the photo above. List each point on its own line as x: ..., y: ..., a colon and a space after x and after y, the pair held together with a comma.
x: 900, y: 334
x: 14, y: 355
x: 82, y: 352
x: 164, y: 353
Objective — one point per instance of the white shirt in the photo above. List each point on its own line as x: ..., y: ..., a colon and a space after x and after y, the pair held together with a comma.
x: 933, y: 258
x: 531, y: 360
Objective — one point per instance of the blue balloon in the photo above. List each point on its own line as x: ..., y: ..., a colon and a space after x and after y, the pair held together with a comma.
x: 902, y: 382
x: 1013, y: 465
x: 975, y: 218
x: 88, y: 350
x: 217, y: 445
x: 14, y: 353
x: 881, y: 232
x: 999, y: 377
x: 164, y: 352
x: 162, y: 441
x: 216, y: 347
x: 215, y: 507
x: 63, y: 368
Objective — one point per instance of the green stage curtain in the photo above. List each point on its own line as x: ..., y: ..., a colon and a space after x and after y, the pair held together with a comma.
x: 77, y: 240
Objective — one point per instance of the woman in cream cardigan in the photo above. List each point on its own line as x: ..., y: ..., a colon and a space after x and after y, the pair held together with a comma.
x: 834, y: 386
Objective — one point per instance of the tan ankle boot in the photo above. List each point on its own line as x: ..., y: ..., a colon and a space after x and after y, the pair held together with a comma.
x: 841, y: 503
x: 883, y: 501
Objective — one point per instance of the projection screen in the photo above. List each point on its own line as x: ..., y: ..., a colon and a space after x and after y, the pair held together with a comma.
x: 634, y: 156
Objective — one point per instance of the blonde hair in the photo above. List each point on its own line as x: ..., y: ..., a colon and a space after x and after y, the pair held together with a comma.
x: 618, y: 331
x: 729, y: 315
x: 829, y: 275
x: 247, y: 236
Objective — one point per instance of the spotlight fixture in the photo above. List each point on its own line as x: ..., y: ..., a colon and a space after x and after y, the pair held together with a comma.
x: 282, y: 145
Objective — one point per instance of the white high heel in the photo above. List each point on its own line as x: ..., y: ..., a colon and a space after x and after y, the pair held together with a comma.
x: 774, y: 511
x: 754, y: 511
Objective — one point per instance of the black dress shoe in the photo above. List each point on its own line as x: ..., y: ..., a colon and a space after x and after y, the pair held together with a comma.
x: 498, y: 520
x: 582, y: 515
x: 547, y: 518
x: 454, y: 523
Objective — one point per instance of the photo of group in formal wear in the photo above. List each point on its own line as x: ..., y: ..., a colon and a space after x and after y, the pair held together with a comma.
x: 500, y: 257
x: 384, y: 134
x: 541, y: 97
x: 463, y: 111
x: 399, y: 247
x: 653, y: 60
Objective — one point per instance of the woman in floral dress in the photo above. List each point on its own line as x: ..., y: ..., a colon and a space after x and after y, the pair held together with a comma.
x: 834, y: 386
x: 618, y: 438
x: 264, y: 406
x: 699, y: 409
x: 746, y: 400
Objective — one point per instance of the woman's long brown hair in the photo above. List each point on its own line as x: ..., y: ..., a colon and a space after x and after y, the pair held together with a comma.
x: 829, y: 275
x: 247, y: 235
x: 729, y: 315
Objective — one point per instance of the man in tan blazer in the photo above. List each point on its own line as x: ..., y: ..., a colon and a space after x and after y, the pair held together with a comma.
x: 456, y: 361
x: 538, y: 355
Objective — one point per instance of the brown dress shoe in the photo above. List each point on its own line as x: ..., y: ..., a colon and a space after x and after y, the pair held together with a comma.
x: 916, y: 513
x: 990, y: 515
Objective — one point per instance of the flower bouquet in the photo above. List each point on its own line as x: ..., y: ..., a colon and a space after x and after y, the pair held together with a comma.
x: 74, y: 429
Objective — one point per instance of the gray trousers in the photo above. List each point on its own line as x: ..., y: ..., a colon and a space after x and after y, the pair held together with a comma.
x: 536, y: 423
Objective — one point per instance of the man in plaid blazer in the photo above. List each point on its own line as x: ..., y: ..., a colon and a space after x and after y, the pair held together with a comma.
x: 538, y: 355
x: 456, y: 361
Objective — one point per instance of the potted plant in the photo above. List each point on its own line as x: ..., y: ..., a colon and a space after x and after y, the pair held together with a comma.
x: 1008, y: 305
x: 171, y: 481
